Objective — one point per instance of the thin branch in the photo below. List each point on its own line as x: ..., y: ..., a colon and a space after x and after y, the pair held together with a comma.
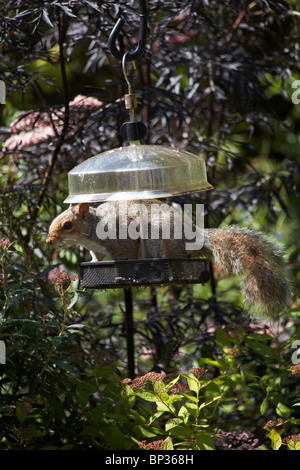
x: 62, y: 28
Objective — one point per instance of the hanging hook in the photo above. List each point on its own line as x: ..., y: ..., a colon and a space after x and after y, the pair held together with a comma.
x: 124, y: 60
x: 130, y: 100
x: 142, y: 36
x: 132, y: 131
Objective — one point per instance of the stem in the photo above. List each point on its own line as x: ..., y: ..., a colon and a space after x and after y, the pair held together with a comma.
x: 197, y: 412
x: 5, y: 291
x: 62, y: 28
x: 129, y: 332
x: 45, y: 365
x: 65, y: 311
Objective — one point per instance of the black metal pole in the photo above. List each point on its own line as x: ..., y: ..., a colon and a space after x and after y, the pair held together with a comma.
x: 129, y: 327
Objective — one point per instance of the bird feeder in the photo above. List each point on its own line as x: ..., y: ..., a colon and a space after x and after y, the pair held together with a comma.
x: 138, y: 172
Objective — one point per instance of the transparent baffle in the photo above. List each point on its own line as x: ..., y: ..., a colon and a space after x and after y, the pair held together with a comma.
x: 136, y: 172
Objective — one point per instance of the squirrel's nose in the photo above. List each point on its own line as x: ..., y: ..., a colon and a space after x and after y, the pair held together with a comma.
x: 49, y: 240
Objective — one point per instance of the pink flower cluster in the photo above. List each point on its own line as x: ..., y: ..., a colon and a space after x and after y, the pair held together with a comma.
x: 272, y: 424
x: 293, y: 437
x: 4, y: 243
x: 198, y: 372
x: 140, y: 382
x: 60, y: 277
x: 155, y: 445
x: 295, y: 369
x: 34, y: 127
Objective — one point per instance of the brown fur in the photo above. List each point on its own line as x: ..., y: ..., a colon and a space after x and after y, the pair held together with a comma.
x: 238, y: 251
x: 266, y: 287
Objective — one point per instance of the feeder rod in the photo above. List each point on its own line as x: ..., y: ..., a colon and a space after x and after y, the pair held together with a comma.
x: 129, y: 326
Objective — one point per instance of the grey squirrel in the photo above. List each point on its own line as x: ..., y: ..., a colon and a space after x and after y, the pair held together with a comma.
x: 265, y: 287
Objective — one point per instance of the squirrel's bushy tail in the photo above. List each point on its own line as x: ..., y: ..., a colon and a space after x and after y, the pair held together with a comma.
x: 266, y: 287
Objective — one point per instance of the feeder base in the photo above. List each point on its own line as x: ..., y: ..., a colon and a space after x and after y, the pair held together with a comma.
x: 146, y: 272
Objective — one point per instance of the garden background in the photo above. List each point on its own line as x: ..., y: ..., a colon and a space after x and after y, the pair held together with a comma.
x: 217, y: 78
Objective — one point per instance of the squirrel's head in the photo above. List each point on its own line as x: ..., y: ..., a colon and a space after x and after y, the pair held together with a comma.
x: 68, y: 227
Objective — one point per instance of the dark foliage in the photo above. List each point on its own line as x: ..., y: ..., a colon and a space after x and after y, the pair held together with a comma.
x: 215, y: 78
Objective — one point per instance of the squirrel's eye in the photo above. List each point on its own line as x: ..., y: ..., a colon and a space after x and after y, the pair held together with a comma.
x: 68, y: 225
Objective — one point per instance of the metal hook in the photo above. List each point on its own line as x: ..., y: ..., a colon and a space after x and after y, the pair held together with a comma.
x: 142, y: 36
x: 130, y: 99
x: 124, y: 60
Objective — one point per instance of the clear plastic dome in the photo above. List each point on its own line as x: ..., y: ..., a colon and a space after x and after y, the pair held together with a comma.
x: 137, y: 172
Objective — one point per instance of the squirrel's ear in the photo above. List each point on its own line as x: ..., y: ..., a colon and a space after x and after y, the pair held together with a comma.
x: 73, y: 208
x: 83, y: 209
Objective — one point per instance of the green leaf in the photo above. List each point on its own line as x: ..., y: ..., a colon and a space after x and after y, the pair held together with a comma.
x: 204, y: 441
x: 74, y: 300
x: 193, y: 399
x: 172, y: 383
x: 172, y: 423
x: 155, y: 416
x: 259, y: 336
x: 211, y: 362
x: 261, y: 348
x: 168, y: 445
x: 208, y: 402
x: 165, y: 407
x: 148, y: 432
x: 282, y: 410
x: 221, y: 379
x: 184, y: 413
x: 173, y: 399
x: 180, y: 432
x: 222, y: 339
x: 275, y: 439
x: 32, y: 432
x: 264, y: 406
x: 192, y: 409
x: 148, y: 396
x: 56, y: 341
x: 211, y: 390
x: 75, y: 328
x: 293, y: 445
x: 164, y: 397
x: 193, y: 384
x: 21, y: 413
